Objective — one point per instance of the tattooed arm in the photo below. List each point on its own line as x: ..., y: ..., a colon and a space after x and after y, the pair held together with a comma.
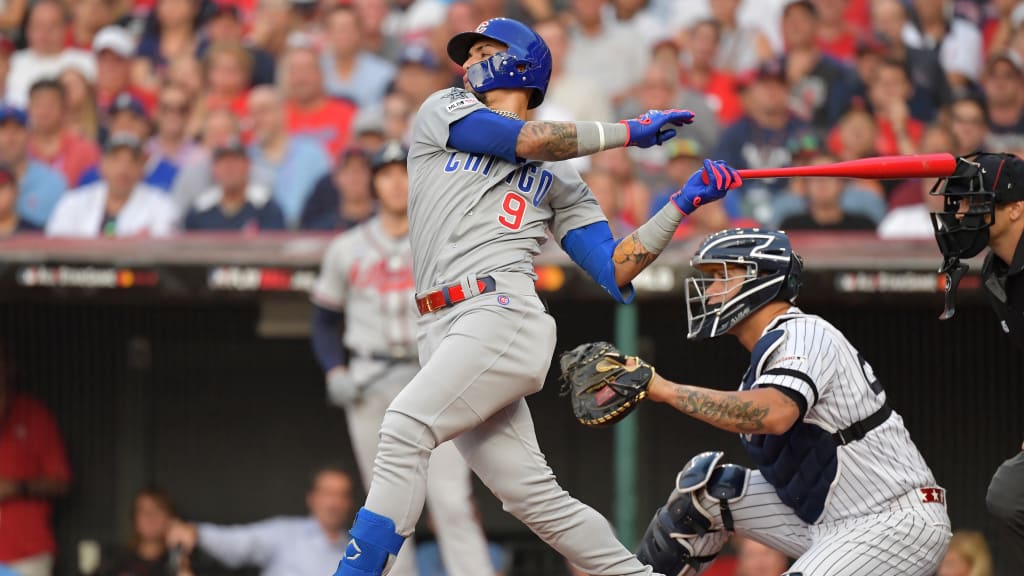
x: 758, y: 411
x: 553, y: 141
x: 630, y: 258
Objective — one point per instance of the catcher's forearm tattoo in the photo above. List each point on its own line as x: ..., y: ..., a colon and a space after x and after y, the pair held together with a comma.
x: 724, y: 410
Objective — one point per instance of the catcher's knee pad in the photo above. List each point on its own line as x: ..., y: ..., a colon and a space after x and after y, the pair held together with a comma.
x: 373, y: 544
x: 683, y: 535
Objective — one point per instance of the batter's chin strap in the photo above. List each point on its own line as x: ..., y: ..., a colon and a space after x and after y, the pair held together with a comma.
x: 954, y: 271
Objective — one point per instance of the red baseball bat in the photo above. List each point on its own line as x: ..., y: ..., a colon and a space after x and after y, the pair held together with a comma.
x: 878, y: 167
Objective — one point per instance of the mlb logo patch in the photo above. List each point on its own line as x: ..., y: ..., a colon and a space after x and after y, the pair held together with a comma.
x: 504, y: 300
x: 461, y: 103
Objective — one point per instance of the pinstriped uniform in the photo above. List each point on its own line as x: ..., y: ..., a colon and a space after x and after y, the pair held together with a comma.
x: 883, y: 515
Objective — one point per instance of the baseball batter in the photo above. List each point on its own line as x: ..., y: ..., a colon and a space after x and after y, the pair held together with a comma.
x: 839, y: 484
x: 366, y: 274
x: 485, y: 190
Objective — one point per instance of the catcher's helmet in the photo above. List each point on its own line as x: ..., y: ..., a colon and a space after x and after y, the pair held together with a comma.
x: 771, y: 272
x: 526, y: 63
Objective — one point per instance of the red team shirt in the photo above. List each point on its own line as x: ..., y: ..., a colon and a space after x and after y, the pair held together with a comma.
x: 330, y: 123
x: 30, y: 448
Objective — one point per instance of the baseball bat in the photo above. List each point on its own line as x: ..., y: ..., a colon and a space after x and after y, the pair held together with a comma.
x: 878, y: 167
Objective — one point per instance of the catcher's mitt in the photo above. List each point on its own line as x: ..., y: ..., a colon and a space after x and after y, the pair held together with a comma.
x: 602, y: 388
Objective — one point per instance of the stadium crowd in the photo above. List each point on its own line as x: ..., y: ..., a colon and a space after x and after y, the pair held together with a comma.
x: 128, y: 117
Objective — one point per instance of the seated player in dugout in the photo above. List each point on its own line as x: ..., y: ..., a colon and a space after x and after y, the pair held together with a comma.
x: 485, y: 187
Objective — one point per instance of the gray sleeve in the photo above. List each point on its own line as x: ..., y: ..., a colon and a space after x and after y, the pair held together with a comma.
x: 243, y: 544
x: 572, y: 202
x: 439, y: 111
x: 331, y: 286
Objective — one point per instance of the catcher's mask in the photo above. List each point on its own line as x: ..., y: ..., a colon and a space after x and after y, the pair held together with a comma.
x: 970, y: 196
x: 718, y: 298
x: 526, y: 63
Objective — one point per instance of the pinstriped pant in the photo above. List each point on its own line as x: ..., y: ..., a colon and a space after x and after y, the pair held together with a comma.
x: 907, y: 538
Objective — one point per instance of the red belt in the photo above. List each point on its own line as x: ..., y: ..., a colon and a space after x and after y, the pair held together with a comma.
x: 448, y: 295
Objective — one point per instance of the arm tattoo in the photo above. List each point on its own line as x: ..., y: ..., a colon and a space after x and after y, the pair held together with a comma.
x: 548, y: 141
x: 722, y: 409
x: 632, y: 251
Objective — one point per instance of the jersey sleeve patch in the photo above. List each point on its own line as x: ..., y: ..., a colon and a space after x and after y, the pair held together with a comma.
x: 461, y: 103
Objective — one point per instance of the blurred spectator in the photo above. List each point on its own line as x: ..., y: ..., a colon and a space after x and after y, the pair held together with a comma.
x: 227, y: 69
x: 372, y: 17
x: 756, y: 559
x: 910, y: 202
x: 568, y: 97
x: 12, y: 14
x: 170, y: 148
x: 147, y: 555
x: 224, y: 26
x: 634, y: 197
x: 196, y: 177
x: 820, y: 86
x: 659, y: 90
x: 888, y: 94
x: 119, y: 204
x: 835, y: 35
x: 855, y: 136
x: 293, y: 164
x: 82, y: 116
x: 607, y: 54
x: 462, y: 17
x: 638, y: 19
x: 350, y: 71
x: 957, y: 41
x: 127, y: 115
x: 45, y: 56
x: 824, y: 208
x: 1003, y: 82
x: 685, y: 156
x: 293, y: 546
x: 398, y: 117
x: 368, y: 129
x: 310, y: 111
x: 39, y: 187
x: 186, y: 73
x: 967, y: 555
x: 740, y: 49
x: 761, y: 138
x: 998, y: 28
x: 341, y: 199
x: 930, y: 89
x: 114, y: 48
x: 33, y: 471
x: 605, y: 189
x: 88, y: 17
x: 10, y: 222
x: 234, y: 203
x: 968, y: 118
x: 6, y: 52
x: 419, y: 74
x: 702, y: 74
x: 49, y: 140
x: 170, y: 33
x: 271, y: 25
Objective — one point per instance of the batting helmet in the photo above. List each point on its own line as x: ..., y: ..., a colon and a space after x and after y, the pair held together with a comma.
x: 526, y: 63
x: 771, y: 271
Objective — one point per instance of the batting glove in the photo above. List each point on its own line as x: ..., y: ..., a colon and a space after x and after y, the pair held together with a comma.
x: 646, y: 130
x: 342, y: 389
x: 706, y: 185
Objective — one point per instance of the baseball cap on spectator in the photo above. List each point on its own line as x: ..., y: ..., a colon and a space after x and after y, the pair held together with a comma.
x: 115, y: 39
x: 10, y: 113
x: 122, y: 140
x: 394, y: 152
x: 225, y: 8
x: 368, y: 120
x: 418, y: 55
x: 231, y: 147
x: 125, y: 102
x: 1006, y: 56
x: 682, y: 148
x: 871, y: 44
x: 771, y: 70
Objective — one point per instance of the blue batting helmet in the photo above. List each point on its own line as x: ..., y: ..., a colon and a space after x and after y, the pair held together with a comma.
x: 771, y: 271
x: 526, y: 63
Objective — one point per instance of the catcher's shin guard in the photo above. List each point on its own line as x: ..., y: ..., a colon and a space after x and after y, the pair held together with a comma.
x: 683, y: 538
x: 372, y: 547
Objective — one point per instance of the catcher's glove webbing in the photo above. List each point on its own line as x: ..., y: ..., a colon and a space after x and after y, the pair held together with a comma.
x: 602, y: 388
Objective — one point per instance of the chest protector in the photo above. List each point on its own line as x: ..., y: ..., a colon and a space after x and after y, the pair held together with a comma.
x: 802, y: 463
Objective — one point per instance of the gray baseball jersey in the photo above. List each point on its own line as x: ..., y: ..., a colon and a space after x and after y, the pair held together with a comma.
x: 478, y: 214
x: 367, y: 274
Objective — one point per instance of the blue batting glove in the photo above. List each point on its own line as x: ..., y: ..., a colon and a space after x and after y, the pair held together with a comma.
x: 646, y: 130
x: 706, y: 185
